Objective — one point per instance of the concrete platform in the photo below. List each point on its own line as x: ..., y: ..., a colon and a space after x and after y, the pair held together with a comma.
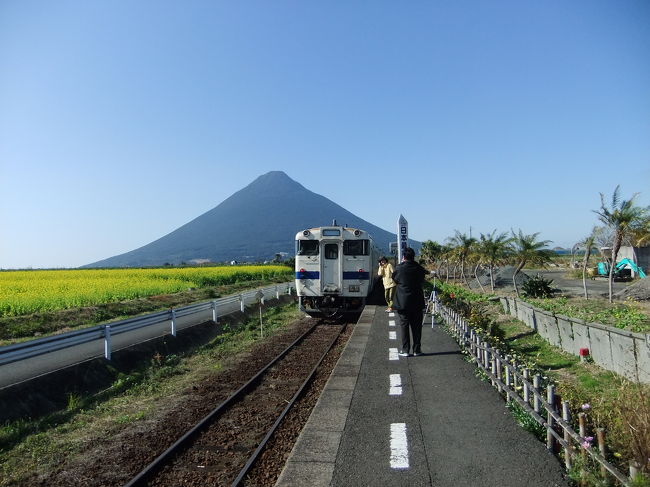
x: 418, y: 421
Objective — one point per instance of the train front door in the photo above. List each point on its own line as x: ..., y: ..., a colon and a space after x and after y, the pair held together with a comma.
x: 331, y: 273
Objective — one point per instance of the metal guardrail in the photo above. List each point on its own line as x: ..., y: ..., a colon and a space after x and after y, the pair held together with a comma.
x: 41, y: 346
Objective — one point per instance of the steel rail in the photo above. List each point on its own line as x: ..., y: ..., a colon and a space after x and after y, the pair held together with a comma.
x: 164, y: 457
x: 269, y: 434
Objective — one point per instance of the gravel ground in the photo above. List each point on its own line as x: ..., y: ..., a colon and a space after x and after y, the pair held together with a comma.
x: 561, y: 282
x: 115, y: 460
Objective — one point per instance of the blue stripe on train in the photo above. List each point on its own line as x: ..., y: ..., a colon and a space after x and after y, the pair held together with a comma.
x: 346, y: 275
x: 356, y: 275
x: 308, y: 275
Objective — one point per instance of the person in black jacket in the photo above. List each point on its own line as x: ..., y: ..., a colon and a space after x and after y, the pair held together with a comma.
x: 409, y: 301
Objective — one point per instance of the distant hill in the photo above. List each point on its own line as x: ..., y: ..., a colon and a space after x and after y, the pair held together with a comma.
x: 252, y: 225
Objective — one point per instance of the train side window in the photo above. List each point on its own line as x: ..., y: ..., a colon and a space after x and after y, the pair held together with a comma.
x: 356, y: 247
x: 307, y: 247
x: 331, y: 251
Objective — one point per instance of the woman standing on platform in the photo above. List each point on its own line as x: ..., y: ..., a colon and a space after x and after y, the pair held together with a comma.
x: 386, y: 272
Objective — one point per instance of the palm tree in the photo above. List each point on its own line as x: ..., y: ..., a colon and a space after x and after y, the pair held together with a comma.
x: 621, y: 216
x: 528, y: 250
x: 495, y: 249
x: 445, y: 256
x: 430, y: 252
x: 464, y: 245
x: 478, y: 258
x: 640, y: 232
x: 588, y: 244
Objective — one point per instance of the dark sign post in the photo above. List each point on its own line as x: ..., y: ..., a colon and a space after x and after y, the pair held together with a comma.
x: 402, y: 237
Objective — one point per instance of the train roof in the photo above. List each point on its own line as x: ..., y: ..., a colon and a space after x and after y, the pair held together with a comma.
x: 314, y: 230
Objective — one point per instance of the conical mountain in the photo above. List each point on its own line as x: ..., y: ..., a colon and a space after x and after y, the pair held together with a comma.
x: 252, y: 225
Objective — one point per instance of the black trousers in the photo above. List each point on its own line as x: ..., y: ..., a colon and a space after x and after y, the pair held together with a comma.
x: 410, y: 323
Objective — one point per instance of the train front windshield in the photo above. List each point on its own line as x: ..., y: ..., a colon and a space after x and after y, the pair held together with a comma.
x: 356, y: 247
x: 307, y: 247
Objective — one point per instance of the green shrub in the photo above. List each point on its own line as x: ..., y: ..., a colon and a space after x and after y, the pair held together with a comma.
x: 537, y: 287
x: 526, y: 421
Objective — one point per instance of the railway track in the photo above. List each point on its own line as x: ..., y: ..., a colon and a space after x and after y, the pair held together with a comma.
x: 222, y: 448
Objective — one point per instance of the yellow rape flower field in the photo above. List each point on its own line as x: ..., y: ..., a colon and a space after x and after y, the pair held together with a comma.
x: 24, y: 292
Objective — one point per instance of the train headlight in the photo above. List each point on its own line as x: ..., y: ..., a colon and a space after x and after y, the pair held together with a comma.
x: 306, y: 233
x: 357, y: 233
x: 360, y: 271
x: 302, y: 273
x: 354, y: 288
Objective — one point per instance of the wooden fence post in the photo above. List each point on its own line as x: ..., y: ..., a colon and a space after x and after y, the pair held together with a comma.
x: 550, y: 399
x: 600, y: 436
x: 526, y: 391
x: 498, y: 372
x: 508, y: 399
x: 582, y: 428
x: 537, y: 380
x: 568, y: 451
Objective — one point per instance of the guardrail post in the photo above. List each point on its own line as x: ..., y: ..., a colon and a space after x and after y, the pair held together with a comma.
x: 241, y: 302
x: 107, y: 342
x: 277, y: 292
x: 173, y: 313
x: 214, y: 310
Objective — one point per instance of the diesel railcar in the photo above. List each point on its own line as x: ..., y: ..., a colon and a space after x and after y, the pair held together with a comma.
x: 336, y: 267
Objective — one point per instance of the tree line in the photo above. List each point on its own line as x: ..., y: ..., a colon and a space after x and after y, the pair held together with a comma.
x: 623, y: 222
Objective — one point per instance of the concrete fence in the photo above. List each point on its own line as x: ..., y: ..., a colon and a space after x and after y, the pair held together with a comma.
x: 620, y: 351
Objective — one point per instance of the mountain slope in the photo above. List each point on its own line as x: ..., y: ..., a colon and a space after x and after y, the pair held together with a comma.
x: 253, y: 224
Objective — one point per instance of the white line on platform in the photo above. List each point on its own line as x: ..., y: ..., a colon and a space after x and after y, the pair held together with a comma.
x: 399, y: 451
x: 392, y: 354
x: 391, y: 322
x: 395, y: 385
x: 391, y: 315
x: 392, y: 335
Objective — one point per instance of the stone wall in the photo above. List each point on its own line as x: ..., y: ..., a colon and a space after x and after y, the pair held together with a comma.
x: 620, y: 351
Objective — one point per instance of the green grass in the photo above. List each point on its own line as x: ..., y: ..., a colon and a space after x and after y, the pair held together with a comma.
x: 26, y: 292
x: 579, y: 383
x: 525, y: 420
x: 628, y: 315
x: 608, y: 400
x: 14, y: 329
x: 34, y: 446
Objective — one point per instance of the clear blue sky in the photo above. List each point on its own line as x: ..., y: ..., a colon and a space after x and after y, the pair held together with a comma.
x: 122, y: 120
